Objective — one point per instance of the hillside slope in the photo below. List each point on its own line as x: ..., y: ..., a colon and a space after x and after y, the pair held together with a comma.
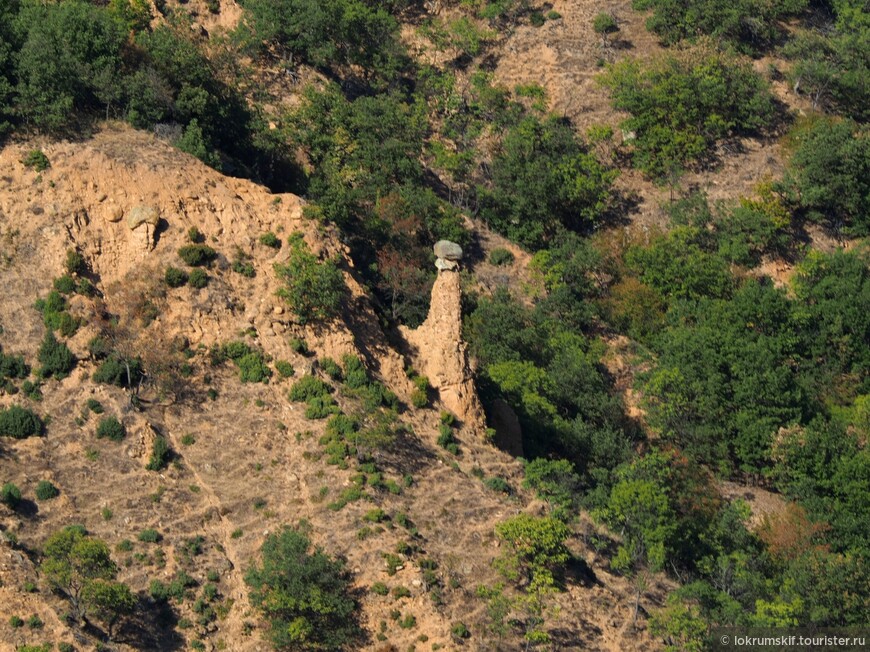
x: 246, y: 460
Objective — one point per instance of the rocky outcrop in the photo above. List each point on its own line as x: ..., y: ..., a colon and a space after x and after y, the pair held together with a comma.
x: 440, y: 354
x: 143, y: 221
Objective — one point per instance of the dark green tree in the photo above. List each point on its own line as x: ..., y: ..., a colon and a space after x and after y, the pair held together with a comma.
x: 829, y: 174
x: 55, y: 357
x: 313, y: 288
x: 750, y: 26
x: 69, y: 62
x: 72, y: 560
x: 544, y: 179
x: 305, y: 595
x: 683, y: 103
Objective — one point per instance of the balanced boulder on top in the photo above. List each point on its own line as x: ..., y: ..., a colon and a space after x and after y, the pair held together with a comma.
x: 448, y: 254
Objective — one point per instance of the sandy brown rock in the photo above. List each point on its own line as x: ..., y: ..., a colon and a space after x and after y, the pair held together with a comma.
x: 440, y: 354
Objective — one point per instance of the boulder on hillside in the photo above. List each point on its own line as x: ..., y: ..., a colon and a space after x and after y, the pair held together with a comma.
x: 143, y: 215
x: 447, y: 250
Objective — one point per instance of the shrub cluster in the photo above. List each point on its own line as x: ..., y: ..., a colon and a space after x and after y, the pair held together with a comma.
x: 111, y: 428
x: 55, y: 357
x: 251, y: 362
x: 18, y: 422
x: 197, y: 255
x: 119, y: 371
x: 45, y: 490
x: 683, y: 103
x: 314, y: 289
x: 55, y: 315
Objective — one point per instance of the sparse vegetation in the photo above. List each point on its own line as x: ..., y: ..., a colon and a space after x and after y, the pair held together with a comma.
x: 641, y: 346
x: 500, y: 257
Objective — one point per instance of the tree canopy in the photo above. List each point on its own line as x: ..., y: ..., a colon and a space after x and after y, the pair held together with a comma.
x: 305, y: 595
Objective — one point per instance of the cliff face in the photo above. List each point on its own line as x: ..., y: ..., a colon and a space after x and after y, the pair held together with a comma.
x: 440, y: 354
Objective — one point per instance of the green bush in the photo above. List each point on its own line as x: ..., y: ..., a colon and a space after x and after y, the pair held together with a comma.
x: 829, y: 66
x: 748, y: 25
x: 284, y: 368
x: 94, y: 406
x: 197, y: 255
x: 305, y: 595
x: 10, y: 495
x: 682, y: 104
x: 269, y: 239
x: 459, y: 630
x: 64, y: 284
x: 324, y: 33
x: 45, y: 490
x: 445, y: 436
x: 37, y: 160
x: 500, y: 256
x: 75, y: 262
x: 111, y: 428
x: 330, y: 368
x: 419, y: 399
x: 161, y: 453
x: 12, y: 366
x: 253, y: 368
x: 174, y: 277
x: 298, y: 346
x: 86, y: 288
x: 100, y: 348
x: 18, y: 422
x: 55, y: 357
x: 829, y: 174
x: 314, y: 289
x: 54, y: 314
x: 379, y: 588
x: 604, y: 23
x: 244, y: 267
x: 198, y: 278
x: 376, y: 515
x: 320, y: 407
x: 195, y: 236
x: 498, y: 484
x: 553, y: 480
x: 309, y: 387
x: 150, y: 536
x: 119, y: 371
x: 400, y: 592
x: 533, y: 195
